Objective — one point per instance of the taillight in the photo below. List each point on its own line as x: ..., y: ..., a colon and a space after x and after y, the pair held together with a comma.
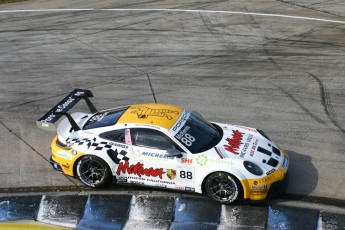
x: 62, y: 145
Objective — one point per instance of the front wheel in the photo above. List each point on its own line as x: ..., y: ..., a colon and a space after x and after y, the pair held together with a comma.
x: 223, y: 187
x: 93, y: 171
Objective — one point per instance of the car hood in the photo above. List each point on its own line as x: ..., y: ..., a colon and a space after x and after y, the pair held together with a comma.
x: 248, y: 144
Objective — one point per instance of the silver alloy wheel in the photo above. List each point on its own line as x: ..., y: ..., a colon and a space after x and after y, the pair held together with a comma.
x: 222, y: 187
x: 91, y: 171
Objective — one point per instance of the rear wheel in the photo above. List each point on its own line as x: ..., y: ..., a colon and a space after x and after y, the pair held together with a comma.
x: 93, y: 171
x: 223, y: 187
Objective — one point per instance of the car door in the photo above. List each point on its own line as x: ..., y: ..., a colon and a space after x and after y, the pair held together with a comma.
x: 154, y: 167
x: 117, y: 150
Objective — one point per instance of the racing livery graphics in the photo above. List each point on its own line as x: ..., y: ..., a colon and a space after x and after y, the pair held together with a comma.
x: 165, y: 146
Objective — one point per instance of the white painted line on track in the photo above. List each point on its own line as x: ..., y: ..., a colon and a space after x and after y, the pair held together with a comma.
x: 319, y: 222
x: 41, y: 218
x: 40, y: 210
x: 177, y: 10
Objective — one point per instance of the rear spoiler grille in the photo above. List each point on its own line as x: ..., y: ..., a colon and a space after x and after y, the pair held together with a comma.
x: 47, y: 121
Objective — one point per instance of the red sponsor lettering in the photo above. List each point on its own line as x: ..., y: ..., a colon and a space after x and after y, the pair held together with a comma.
x: 252, y: 151
x: 180, y: 187
x: 246, y: 128
x: 139, y: 170
x: 186, y: 161
x: 234, y: 142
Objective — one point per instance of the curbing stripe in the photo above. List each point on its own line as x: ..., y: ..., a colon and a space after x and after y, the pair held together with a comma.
x: 151, y: 212
x: 195, y: 209
x: 196, y: 213
x: 62, y: 211
x: 105, y: 212
x: 330, y: 220
x: 319, y: 223
x: 282, y: 217
x: 237, y: 216
x: 18, y: 208
x: 161, y: 212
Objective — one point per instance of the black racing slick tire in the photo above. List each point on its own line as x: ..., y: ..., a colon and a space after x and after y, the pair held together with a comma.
x: 93, y: 172
x: 223, y: 187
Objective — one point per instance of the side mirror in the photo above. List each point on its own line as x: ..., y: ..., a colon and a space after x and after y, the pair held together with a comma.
x: 173, y: 153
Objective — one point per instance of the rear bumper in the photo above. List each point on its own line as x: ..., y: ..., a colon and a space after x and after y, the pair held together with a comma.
x: 55, y: 165
x: 63, y: 159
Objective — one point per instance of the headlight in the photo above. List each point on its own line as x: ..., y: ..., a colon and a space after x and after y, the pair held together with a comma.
x: 253, y: 168
x: 263, y: 134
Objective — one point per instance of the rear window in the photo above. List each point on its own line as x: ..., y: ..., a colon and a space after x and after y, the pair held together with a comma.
x: 105, y: 118
x: 114, y: 135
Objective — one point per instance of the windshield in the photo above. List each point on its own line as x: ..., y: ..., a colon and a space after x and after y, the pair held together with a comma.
x: 198, y: 135
x: 105, y: 118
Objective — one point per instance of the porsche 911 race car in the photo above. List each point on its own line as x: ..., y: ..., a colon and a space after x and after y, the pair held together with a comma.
x: 163, y: 146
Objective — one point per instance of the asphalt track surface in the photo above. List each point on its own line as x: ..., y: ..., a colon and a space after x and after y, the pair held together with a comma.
x: 274, y: 65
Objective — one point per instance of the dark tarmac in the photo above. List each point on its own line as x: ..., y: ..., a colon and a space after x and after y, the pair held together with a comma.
x: 277, y: 65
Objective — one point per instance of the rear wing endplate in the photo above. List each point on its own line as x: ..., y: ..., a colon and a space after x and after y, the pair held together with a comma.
x: 47, y: 121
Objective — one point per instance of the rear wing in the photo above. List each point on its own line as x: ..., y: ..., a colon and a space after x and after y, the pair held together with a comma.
x: 47, y: 121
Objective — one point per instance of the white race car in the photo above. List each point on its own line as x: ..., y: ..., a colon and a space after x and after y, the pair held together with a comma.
x: 165, y: 146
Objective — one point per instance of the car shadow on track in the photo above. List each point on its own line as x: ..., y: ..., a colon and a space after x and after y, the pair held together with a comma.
x: 302, y: 176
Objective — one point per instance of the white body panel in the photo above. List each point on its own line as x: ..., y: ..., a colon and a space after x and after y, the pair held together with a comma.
x: 152, y: 167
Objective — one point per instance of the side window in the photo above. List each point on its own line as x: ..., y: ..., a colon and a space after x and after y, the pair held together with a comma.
x: 152, y: 138
x: 114, y: 135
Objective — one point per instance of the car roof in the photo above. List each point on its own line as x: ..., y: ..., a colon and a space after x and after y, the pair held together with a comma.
x: 162, y: 115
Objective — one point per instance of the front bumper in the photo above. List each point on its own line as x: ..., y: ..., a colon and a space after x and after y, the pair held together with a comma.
x: 269, y: 186
x: 277, y: 188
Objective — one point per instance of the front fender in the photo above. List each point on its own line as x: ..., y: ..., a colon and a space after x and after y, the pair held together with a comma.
x: 233, y: 171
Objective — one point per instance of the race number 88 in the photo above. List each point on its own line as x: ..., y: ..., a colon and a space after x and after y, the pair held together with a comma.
x: 188, y: 139
x: 184, y: 174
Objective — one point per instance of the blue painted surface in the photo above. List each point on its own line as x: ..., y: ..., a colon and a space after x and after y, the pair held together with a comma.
x: 105, y: 212
x: 17, y: 208
x: 190, y: 209
x: 282, y: 217
x: 193, y: 226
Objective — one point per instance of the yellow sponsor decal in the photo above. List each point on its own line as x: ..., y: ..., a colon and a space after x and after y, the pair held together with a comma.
x: 154, y: 114
x: 143, y: 112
